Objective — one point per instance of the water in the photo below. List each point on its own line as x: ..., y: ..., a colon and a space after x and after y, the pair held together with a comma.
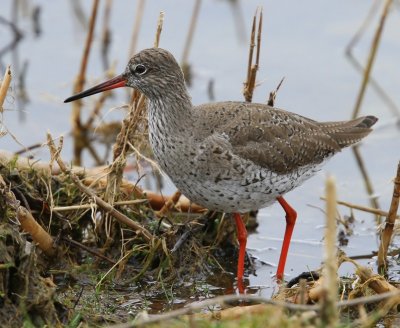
x: 302, y: 41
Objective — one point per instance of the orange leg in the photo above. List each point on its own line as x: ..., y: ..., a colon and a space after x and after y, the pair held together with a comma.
x: 242, y: 238
x: 291, y: 216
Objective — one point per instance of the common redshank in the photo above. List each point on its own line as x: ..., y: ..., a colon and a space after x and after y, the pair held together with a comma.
x: 232, y: 157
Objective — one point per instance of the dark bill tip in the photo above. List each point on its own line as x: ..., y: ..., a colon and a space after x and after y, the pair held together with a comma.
x: 117, y: 82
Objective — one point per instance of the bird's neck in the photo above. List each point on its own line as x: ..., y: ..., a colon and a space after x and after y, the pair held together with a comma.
x: 171, y: 114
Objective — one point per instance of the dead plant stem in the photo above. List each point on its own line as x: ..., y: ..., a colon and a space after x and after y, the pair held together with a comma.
x: 250, y: 82
x: 386, y: 235
x: 329, y: 313
x: 361, y: 208
x: 192, y: 28
x: 104, y: 205
x: 371, y: 58
x: 136, y: 27
x: 364, y: 173
x: 5, y: 85
x: 226, y: 299
x: 78, y: 132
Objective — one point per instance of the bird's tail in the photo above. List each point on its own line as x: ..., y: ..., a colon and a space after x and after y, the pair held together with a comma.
x: 347, y: 133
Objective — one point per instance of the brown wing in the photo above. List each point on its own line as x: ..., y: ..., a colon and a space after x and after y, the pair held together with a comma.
x: 278, y: 140
x: 282, y: 141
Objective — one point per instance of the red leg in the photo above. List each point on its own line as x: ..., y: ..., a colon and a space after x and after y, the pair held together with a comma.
x: 291, y: 216
x: 242, y: 238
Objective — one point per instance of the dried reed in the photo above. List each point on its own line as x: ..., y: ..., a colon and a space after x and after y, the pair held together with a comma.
x: 371, y: 58
x: 329, y: 313
x: 77, y: 131
x: 28, y: 223
x: 361, y: 94
x: 250, y: 82
x: 188, y: 42
x: 107, y: 208
x: 386, y: 235
x: 121, y: 147
x: 359, y: 67
x: 5, y: 85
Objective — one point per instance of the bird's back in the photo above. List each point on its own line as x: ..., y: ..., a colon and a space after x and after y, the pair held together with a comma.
x: 277, y: 139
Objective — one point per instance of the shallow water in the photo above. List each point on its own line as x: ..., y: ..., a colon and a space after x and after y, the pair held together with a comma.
x: 302, y: 41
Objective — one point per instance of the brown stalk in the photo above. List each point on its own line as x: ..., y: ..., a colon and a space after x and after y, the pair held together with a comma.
x: 374, y: 281
x: 367, y: 181
x: 87, y: 249
x: 361, y: 208
x: 39, y: 235
x: 358, y: 66
x: 160, y: 24
x: 137, y: 23
x: 386, y: 235
x: 272, y: 94
x: 77, y: 131
x: 170, y: 203
x: 250, y: 82
x: 371, y: 58
x: 106, y: 34
x: 189, y: 37
x: 329, y: 297
x: 96, y: 109
x: 101, y: 203
x: 360, y: 97
x: 5, y: 84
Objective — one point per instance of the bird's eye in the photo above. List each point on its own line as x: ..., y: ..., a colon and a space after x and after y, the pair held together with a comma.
x: 139, y: 69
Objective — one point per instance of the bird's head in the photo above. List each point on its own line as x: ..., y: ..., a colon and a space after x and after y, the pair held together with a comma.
x: 152, y: 71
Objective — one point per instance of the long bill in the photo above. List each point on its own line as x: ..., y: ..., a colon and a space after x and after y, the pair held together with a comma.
x: 116, y: 82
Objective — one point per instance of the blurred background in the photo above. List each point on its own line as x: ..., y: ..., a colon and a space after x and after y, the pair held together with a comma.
x: 304, y: 42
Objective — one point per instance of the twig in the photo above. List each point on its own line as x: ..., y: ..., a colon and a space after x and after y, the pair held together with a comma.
x: 39, y: 235
x: 329, y: 314
x: 395, y: 252
x: 160, y: 24
x: 361, y: 208
x: 106, y: 34
x: 112, y: 268
x: 255, y: 299
x: 4, y: 87
x: 360, y: 97
x: 86, y: 206
x: 272, y: 94
x: 192, y: 27
x: 87, y: 249
x: 95, y: 112
x: 364, y: 173
x: 136, y: 27
x: 29, y: 148
x: 371, y: 58
x: 170, y: 203
x: 78, y: 132
x: 250, y: 82
x: 356, y: 63
x: 386, y: 235
x: 104, y: 205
